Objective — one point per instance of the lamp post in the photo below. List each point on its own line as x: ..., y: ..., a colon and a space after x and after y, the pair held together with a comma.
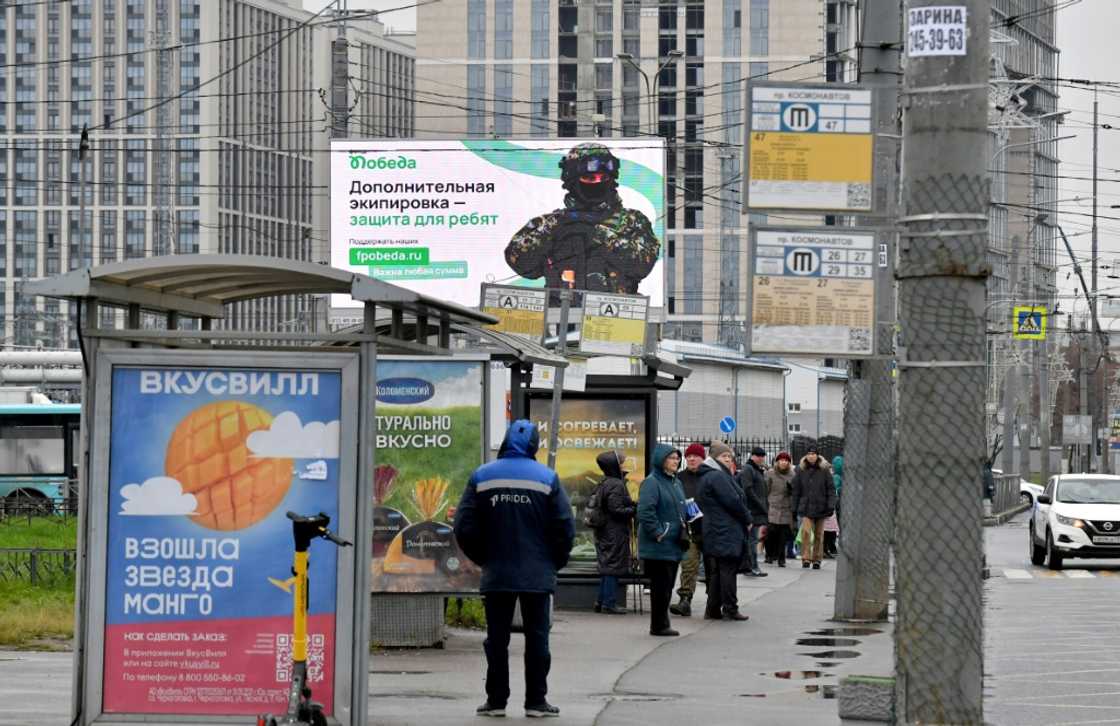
x: 651, y: 85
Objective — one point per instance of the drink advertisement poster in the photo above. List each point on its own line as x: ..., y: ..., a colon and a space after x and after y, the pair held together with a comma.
x: 588, y: 427
x: 429, y: 441
x: 204, y: 464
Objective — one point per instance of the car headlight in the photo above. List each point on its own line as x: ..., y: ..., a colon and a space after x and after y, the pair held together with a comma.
x: 1069, y: 521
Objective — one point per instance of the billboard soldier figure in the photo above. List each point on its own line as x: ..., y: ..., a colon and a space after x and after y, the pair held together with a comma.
x: 593, y: 242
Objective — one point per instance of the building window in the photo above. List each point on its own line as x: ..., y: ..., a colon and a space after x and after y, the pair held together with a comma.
x: 109, y: 245
x: 760, y: 28
x: 795, y: 428
x: 539, y: 39
x: 188, y: 232
x: 26, y: 238
x: 503, y: 100
x: 476, y: 28
x: 133, y: 235
x: 476, y: 103
x: 793, y: 407
x: 693, y: 290
x: 540, y: 94
x: 503, y: 29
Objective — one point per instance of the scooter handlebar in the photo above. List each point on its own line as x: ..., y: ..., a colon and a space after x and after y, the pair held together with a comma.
x: 329, y: 535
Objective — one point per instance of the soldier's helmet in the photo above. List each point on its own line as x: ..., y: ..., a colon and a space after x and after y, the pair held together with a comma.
x: 590, y: 171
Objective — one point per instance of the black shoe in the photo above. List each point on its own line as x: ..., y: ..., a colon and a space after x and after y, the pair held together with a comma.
x: 816, y: 565
x: 666, y: 633
x: 769, y: 560
x: 736, y: 616
x: 613, y: 610
x: 805, y: 564
x: 759, y: 573
x: 829, y: 556
x: 544, y: 709
x: 781, y: 563
x: 683, y: 608
x: 709, y: 616
x: 490, y: 710
x: 598, y: 607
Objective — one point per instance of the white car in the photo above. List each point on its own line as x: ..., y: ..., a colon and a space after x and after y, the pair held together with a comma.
x: 1077, y: 515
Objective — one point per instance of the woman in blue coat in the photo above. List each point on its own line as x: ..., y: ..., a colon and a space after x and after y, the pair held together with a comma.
x: 661, y: 514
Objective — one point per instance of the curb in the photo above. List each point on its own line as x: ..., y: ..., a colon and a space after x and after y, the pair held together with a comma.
x: 998, y: 519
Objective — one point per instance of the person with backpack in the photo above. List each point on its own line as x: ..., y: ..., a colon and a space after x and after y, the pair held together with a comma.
x: 609, y: 513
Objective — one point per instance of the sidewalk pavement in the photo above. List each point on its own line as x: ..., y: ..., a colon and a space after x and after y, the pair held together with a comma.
x: 606, y: 670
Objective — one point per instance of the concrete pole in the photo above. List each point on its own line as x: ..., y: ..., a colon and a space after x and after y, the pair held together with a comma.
x: 942, y: 269
x: 1010, y: 379
x: 1042, y: 375
x: 867, y: 506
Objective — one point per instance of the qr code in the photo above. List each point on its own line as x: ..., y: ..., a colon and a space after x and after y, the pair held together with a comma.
x: 283, y: 657
x: 859, y: 340
x: 315, y: 646
x: 859, y: 196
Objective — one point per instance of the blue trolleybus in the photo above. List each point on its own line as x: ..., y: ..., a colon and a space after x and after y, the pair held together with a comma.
x: 38, y: 457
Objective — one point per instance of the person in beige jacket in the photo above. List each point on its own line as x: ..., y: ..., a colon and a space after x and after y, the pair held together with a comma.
x: 780, y: 518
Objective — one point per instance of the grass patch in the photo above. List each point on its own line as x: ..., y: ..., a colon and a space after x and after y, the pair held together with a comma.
x: 36, y: 617
x: 465, y: 612
x: 46, y: 532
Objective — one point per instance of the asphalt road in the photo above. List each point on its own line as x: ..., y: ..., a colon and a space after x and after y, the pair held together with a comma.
x: 1052, y: 650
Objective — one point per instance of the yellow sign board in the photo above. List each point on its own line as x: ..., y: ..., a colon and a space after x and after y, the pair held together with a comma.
x: 810, y: 147
x: 1028, y: 322
x: 519, y: 310
x: 613, y: 324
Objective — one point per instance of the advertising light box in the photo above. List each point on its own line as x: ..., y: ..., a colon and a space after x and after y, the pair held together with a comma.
x: 442, y: 217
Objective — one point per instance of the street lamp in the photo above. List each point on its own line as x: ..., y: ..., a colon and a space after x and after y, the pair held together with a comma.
x: 674, y: 55
x: 1035, y: 142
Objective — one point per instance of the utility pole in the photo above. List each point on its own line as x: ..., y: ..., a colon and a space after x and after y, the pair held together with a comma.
x: 1042, y: 375
x: 942, y: 268
x: 1010, y: 377
x: 1100, y: 391
x: 867, y: 506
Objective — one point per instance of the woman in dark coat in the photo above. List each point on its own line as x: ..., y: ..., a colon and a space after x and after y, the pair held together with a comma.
x: 612, y: 540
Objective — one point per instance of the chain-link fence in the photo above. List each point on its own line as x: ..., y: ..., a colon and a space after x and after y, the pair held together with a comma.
x: 37, y: 566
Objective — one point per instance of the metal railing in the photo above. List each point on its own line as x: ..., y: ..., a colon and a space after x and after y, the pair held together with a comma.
x: 827, y: 446
x: 1007, y: 495
x: 37, y: 566
x: 25, y: 508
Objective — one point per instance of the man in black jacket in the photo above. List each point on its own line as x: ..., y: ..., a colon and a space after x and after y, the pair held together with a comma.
x: 690, y: 565
x: 726, y: 521
x: 753, y: 479
x: 813, y: 500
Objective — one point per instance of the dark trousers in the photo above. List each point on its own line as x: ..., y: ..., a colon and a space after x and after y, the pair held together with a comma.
x: 723, y: 596
x: 662, y: 575
x: 608, y: 591
x: 536, y: 616
x: 776, y: 537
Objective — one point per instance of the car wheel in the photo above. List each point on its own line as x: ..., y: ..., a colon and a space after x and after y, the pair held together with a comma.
x: 1053, y: 557
x: 1038, y: 552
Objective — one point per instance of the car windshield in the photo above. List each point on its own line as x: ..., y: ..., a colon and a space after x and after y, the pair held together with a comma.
x: 1089, y: 491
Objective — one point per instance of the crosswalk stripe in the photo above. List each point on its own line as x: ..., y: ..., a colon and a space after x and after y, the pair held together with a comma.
x: 1079, y: 574
x: 1017, y: 574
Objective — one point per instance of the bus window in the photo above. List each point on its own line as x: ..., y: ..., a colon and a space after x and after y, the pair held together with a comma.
x: 32, y: 450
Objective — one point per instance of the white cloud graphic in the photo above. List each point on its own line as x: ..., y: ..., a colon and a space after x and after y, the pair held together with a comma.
x: 288, y: 438
x: 464, y: 390
x: 160, y: 496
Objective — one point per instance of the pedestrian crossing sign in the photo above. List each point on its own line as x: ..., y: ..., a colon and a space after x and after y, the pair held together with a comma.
x: 1029, y: 323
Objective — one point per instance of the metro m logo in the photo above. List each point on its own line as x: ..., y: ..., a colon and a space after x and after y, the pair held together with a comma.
x: 799, y: 117
x: 803, y: 261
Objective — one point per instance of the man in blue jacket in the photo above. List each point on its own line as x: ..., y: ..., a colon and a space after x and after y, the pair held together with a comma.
x: 515, y: 521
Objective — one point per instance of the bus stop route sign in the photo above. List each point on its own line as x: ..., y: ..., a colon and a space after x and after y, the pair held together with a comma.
x: 810, y: 147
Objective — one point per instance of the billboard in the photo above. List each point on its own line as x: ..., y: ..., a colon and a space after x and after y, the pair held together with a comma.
x: 443, y: 216
x: 204, y: 462
x: 810, y: 147
x: 429, y: 440
x: 590, y: 425
x: 812, y: 292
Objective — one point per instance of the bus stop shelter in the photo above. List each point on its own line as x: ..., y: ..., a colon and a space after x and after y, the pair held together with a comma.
x: 195, y: 439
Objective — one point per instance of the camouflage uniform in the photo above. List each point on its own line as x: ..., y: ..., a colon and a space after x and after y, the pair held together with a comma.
x: 590, y: 244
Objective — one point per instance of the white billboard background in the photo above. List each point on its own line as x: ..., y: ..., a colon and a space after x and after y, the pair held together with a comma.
x: 518, y: 197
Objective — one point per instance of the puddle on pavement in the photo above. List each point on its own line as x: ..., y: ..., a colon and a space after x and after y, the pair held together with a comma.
x: 390, y: 672
x: 825, y: 691
x: 799, y: 675
x: 828, y: 642
x: 846, y: 632
x: 752, y: 695
x: 826, y: 664
x: 833, y: 654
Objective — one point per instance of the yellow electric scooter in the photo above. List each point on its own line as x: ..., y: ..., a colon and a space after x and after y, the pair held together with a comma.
x: 302, y: 711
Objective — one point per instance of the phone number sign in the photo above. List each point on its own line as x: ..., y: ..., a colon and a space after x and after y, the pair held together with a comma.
x: 813, y: 293
x: 937, y: 30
